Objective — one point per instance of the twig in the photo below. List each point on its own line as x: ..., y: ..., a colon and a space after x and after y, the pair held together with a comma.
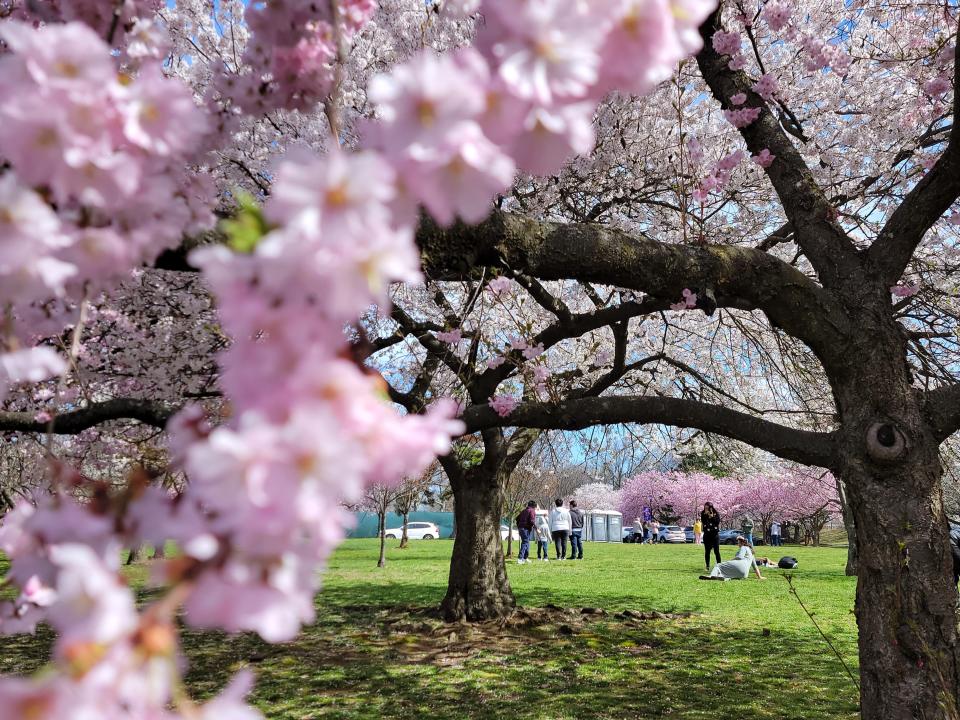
x: 793, y: 591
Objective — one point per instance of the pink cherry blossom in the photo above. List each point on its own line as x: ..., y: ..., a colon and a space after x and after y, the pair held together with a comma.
x: 727, y: 43
x: 425, y: 100
x: 533, y: 351
x: 452, y: 337
x: 552, y: 136
x: 546, y: 51
x: 737, y: 61
x: 905, y: 291
x: 766, y: 87
x: 742, y: 117
x: 738, y: 99
x: 687, y: 301
x: 503, y: 404
x: 161, y: 115
x: 777, y: 14
x: 495, y: 362
x: 939, y: 85
x: 499, y: 285
x: 764, y: 158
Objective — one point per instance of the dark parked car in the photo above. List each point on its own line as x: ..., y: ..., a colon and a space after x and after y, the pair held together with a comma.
x: 729, y: 537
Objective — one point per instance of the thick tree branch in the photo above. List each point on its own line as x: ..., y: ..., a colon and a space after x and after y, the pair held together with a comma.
x: 741, y: 278
x: 811, y: 214
x: 943, y: 410
x: 73, y: 422
x: 811, y: 448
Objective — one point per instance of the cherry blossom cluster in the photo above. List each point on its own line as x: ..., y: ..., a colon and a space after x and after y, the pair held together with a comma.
x: 101, y: 143
x: 291, y: 57
x: 100, y: 179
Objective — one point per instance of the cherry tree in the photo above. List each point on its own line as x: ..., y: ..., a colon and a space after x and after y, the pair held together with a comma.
x: 850, y: 264
x: 107, y: 164
x: 796, y: 184
x: 597, y: 496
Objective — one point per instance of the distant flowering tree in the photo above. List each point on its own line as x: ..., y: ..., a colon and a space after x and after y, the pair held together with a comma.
x: 597, y: 496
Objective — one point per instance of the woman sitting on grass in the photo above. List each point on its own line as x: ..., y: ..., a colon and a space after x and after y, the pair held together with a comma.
x: 738, y: 568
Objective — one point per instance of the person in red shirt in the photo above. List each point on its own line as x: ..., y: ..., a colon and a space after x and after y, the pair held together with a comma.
x: 526, y: 526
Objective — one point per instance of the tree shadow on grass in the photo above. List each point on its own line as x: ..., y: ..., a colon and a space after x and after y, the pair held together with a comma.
x: 393, y: 661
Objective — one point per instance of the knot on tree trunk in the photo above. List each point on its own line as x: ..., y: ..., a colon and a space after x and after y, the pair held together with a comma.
x: 886, y: 443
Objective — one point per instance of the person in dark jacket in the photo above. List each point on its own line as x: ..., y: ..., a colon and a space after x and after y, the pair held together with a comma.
x: 576, y: 531
x: 710, y: 519
x: 526, y: 526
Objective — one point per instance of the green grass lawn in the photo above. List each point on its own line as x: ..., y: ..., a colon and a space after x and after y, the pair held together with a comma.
x: 738, y: 650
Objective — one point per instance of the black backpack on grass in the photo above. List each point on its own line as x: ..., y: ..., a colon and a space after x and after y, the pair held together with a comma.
x: 787, y: 563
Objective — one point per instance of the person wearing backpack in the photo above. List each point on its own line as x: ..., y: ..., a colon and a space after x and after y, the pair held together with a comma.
x: 526, y: 525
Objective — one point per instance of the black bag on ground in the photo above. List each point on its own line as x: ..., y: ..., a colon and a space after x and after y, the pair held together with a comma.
x: 787, y: 562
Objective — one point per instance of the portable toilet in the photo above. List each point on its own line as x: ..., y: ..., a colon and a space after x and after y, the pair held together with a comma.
x: 614, y: 526
x: 596, y: 525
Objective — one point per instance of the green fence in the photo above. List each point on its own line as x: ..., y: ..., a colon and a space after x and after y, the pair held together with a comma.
x: 367, y: 522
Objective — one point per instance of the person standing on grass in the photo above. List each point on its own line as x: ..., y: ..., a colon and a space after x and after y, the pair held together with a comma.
x: 697, y: 531
x: 526, y: 526
x: 655, y: 531
x: 710, y: 519
x: 543, y: 539
x: 775, y: 534
x: 576, y: 531
x: 560, y: 527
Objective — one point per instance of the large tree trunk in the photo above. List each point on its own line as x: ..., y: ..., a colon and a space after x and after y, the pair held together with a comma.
x: 906, y: 602
x: 849, y: 525
x: 382, y: 529
x: 478, y: 588
x: 404, y: 538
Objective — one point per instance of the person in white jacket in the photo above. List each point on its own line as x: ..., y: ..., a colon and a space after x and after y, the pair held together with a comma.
x: 560, y: 528
x: 543, y: 538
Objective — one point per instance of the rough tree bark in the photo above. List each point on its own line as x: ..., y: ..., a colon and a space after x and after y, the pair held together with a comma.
x: 404, y: 536
x: 889, y: 462
x: 478, y: 588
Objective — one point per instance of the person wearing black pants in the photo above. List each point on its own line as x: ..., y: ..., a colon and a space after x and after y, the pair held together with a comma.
x: 710, y: 519
x: 560, y: 528
x: 576, y: 531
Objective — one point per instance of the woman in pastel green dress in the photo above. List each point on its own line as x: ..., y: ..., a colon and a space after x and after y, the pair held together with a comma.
x: 738, y: 568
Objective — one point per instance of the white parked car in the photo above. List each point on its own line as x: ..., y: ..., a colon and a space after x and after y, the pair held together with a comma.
x: 672, y: 534
x: 415, y: 531
x: 505, y: 531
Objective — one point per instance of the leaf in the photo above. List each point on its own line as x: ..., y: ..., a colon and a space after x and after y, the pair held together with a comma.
x: 248, y: 225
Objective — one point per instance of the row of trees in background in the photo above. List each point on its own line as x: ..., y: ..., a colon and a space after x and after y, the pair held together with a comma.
x: 806, y: 498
